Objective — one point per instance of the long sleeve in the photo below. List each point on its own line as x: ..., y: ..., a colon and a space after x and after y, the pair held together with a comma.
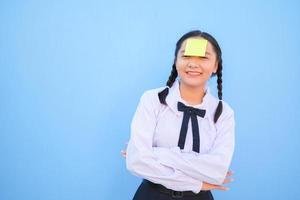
x: 141, y: 160
x: 211, y: 167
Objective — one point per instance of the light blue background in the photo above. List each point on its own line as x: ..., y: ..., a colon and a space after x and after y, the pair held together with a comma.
x: 72, y: 72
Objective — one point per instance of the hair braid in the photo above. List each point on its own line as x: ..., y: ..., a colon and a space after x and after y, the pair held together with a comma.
x: 220, y: 94
x: 219, y: 80
x: 163, y: 94
x: 172, y: 76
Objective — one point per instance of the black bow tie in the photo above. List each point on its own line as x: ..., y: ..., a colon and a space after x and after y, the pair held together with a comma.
x: 190, y: 112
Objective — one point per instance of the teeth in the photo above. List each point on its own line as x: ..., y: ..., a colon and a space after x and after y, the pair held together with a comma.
x: 194, y: 73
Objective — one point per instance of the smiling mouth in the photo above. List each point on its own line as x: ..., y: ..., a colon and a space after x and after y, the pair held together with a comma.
x: 193, y: 73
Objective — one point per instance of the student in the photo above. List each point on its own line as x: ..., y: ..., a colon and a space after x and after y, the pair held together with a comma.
x: 182, y: 137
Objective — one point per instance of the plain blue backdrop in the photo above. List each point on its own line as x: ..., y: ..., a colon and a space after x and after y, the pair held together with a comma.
x: 72, y: 73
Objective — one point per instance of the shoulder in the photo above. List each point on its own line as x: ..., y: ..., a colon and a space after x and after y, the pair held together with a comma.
x: 151, y: 94
x: 149, y: 98
x: 227, y: 115
x: 227, y: 110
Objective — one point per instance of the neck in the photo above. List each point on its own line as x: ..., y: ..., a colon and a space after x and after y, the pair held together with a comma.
x: 192, y: 95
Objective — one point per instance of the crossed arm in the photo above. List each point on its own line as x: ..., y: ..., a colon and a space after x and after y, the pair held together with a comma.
x: 205, y: 185
x: 171, y: 167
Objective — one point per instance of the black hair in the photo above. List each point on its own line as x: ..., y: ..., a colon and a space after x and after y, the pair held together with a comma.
x: 196, y: 33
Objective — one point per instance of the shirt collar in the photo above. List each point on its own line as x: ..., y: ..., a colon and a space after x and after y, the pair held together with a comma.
x: 174, y: 96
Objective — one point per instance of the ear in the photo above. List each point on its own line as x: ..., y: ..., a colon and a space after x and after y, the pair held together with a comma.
x: 216, y: 67
x: 175, y: 63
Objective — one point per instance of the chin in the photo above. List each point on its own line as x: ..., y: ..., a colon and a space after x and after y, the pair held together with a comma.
x: 192, y: 82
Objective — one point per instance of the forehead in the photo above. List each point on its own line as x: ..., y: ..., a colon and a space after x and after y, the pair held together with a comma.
x: 209, y: 47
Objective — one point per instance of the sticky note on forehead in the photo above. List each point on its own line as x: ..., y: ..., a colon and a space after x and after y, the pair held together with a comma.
x: 195, y: 47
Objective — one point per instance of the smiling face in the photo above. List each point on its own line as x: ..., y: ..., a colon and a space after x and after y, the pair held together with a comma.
x: 195, y: 71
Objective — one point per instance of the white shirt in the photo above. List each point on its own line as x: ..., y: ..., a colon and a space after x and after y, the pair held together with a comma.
x: 152, y: 151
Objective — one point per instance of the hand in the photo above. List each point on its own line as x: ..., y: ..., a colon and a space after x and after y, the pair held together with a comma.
x: 123, y: 152
x: 208, y: 186
x: 205, y: 186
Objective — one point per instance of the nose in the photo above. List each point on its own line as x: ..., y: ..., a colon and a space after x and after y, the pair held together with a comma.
x: 193, y: 63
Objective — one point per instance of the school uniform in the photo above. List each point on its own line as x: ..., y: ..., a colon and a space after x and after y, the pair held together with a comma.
x: 176, y: 147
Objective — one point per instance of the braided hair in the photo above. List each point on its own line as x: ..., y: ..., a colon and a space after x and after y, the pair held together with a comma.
x: 164, y: 93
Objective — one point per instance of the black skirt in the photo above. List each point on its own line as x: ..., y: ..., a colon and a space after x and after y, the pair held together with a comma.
x: 150, y: 191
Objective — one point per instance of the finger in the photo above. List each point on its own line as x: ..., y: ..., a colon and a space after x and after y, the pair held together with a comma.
x: 123, y: 153
x: 220, y: 187
x: 228, y: 180
x: 229, y: 173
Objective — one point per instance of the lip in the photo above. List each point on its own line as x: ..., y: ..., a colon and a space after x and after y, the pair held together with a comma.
x: 193, y: 73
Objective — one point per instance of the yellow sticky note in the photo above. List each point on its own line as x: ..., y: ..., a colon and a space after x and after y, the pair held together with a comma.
x: 195, y: 47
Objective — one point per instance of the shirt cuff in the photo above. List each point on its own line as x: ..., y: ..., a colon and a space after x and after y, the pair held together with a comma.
x: 198, y: 188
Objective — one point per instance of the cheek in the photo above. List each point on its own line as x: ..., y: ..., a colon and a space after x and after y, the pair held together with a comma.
x: 209, y: 67
x: 180, y: 65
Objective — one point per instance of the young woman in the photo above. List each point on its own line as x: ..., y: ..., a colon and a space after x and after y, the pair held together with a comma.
x: 182, y: 137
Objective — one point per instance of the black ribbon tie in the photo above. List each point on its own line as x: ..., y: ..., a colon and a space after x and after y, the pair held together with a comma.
x: 190, y: 112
